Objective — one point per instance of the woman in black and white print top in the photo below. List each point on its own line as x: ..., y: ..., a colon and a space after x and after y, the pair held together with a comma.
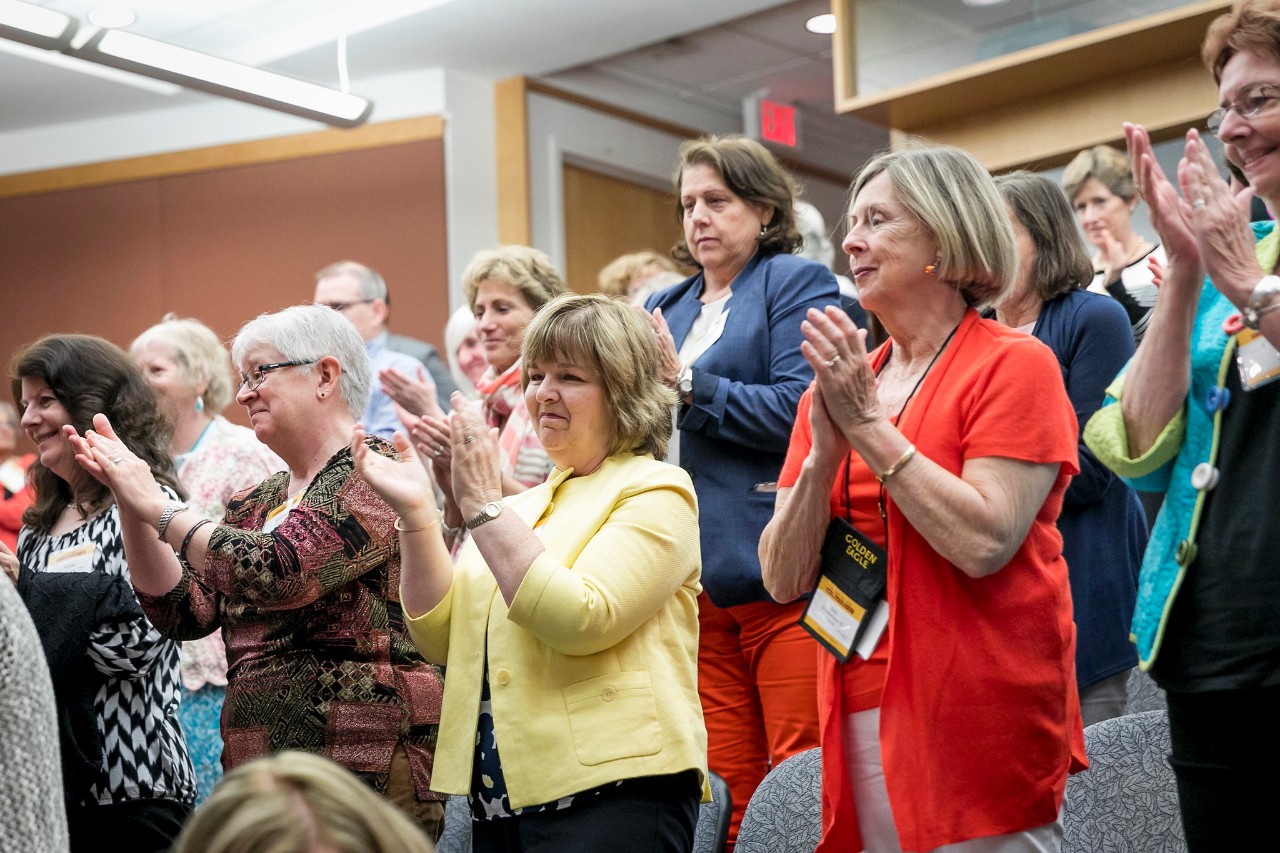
x: 126, y: 772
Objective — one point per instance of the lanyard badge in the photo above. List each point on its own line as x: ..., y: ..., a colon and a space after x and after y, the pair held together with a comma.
x: 848, y: 613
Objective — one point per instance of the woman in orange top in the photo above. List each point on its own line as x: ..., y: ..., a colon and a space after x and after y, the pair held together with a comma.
x: 950, y: 446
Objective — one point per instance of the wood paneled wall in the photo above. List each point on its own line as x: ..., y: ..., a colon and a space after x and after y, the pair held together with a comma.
x: 606, y: 217
x: 226, y: 244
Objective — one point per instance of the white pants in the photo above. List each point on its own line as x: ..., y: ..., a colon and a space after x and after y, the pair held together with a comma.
x: 875, y: 818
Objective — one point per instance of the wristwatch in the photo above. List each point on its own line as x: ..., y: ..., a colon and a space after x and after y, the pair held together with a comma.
x: 488, y: 513
x: 1264, y: 299
x: 684, y: 381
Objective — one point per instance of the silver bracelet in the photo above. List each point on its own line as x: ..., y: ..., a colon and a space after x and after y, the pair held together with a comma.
x: 170, y: 510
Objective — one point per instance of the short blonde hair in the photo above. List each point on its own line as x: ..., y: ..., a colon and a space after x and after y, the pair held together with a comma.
x: 1105, y: 163
x: 202, y: 359
x: 612, y: 340
x: 523, y: 267
x: 954, y: 197
x: 615, y: 279
x: 294, y: 802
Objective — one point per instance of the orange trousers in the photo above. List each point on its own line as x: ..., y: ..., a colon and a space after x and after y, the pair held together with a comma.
x: 758, y: 680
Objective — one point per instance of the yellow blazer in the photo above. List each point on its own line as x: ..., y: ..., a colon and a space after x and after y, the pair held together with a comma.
x: 593, y: 669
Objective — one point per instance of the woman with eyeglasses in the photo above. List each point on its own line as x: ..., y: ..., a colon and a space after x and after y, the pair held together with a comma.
x: 302, y: 575
x: 1197, y: 415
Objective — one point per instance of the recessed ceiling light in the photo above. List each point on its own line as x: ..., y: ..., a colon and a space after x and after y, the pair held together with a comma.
x: 821, y: 24
x: 111, y: 17
x: 981, y: 3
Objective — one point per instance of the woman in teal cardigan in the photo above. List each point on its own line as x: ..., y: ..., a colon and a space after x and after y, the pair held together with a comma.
x: 569, y: 624
x: 1197, y: 414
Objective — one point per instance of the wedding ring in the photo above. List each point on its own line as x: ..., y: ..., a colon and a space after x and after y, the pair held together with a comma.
x: 439, y: 450
x: 116, y: 460
x: 1197, y: 204
x: 831, y: 362
x: 467, y: 439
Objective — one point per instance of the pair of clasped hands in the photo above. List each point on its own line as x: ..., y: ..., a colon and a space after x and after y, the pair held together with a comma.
x: 459, y: 449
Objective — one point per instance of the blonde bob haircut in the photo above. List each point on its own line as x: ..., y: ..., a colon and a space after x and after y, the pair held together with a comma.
x: 613, y: 341
x: 1105, y: 163
x: 295, y: 802
x: 957, y: 201
x: 523, y: 267
x: 202, y: 360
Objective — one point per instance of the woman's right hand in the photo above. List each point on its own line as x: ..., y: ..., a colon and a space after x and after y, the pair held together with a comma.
x: 9, y: 563
x: 1170, y: 213
x: 433, y: 439
x: 109, y: 460
x: 402, y: 484
x: 668, y: 354
x: 476, y: 465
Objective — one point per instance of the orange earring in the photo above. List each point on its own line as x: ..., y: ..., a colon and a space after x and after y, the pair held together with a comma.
x: 930, y: 269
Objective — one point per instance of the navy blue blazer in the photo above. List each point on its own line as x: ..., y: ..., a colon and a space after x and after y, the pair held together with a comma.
x: 746, y: 387
x: 1104, y: 530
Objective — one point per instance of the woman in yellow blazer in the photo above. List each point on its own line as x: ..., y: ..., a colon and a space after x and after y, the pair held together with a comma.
x: 569, y: 624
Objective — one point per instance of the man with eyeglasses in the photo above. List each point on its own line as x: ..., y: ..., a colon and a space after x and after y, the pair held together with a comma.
x: 360, y: 294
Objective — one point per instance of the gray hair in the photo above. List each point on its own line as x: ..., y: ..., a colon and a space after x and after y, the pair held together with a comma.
x: 372, y: 285
x: 813, y: 231
x: 309, y: 333
x: 461, y: 324
x: 199, y: 354
x: 954, y: 197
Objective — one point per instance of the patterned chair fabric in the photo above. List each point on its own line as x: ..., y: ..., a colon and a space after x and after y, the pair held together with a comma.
x: 1143, y: 694
x: 1127, y: 800
x: 712, y: 831
x: 785, y: 812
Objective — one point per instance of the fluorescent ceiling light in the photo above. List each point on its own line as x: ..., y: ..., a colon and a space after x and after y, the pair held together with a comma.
x: 93, y: 69
x: 111, y: 17
x: 173, y: 64
x: 821, y: 24
x: 35, y: 25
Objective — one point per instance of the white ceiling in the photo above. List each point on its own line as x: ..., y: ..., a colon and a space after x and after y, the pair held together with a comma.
x: 690, y: 63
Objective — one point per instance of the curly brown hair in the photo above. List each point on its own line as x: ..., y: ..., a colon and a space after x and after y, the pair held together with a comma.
x: 90, y: 375
x: 753, y: 174
x: 1252, y: 26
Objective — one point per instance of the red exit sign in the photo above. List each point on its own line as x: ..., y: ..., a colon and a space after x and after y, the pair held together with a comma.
x: 777, y: 123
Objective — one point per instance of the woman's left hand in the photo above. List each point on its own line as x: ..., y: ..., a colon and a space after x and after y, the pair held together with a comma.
x: 1219, y: 219
x: 836, y: 350
x: 415, y: 394
x: 101, y: 453
x: 477, y: 471
x: 402, y: 484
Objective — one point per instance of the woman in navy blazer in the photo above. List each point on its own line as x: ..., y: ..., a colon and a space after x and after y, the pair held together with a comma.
x: 730, y: 339
x: 1104, y: 531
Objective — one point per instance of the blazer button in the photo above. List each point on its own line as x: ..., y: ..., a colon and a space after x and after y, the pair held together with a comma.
x: 1204, y: 477
x: 504, y: 678
x: 608, y: 694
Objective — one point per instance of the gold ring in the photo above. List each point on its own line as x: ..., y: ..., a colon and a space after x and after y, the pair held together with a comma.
x: 467, y: 439
x: 835, y: 359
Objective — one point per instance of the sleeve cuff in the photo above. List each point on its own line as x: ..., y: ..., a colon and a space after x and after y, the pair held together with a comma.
x: 430, y: 631
x: 1106, y: 435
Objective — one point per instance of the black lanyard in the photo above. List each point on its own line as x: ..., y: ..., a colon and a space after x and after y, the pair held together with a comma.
x: 884, y: 518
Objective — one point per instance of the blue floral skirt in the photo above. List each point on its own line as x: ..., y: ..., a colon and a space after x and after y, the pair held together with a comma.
x: 200, y: 715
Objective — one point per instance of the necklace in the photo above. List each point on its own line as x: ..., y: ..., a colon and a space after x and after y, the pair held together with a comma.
x: 884, y: 517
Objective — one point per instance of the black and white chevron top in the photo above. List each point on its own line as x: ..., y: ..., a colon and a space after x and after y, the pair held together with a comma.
x: 146, y: 756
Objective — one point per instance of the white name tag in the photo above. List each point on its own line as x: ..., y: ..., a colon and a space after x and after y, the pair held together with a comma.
x: 1257, y: 360
x: 77, y: 559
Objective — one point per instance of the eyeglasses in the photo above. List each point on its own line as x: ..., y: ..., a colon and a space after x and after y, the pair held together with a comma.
x: 259, y: 374
x: 343, y: 306
x: 1252, y: 100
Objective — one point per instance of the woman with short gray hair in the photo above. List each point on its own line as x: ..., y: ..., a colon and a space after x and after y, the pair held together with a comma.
x: 302, y: 574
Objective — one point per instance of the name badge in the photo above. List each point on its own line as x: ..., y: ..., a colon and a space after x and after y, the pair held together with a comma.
x: 79, y: 559
x: 1256, y: 359
x: 847, y: 613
